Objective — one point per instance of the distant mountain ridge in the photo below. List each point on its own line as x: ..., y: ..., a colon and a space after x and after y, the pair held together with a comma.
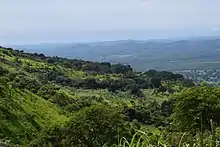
x: 194, y: 53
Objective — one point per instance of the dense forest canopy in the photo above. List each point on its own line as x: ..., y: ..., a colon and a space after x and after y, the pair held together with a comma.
x: 54, y: 101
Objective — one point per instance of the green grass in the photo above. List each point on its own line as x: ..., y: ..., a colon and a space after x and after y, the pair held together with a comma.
x: 47, y: 113
x: 141, y: 139
x: 27, y: 113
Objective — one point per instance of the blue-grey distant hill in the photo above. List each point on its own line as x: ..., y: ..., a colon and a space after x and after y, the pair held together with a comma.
x: 172, y: 55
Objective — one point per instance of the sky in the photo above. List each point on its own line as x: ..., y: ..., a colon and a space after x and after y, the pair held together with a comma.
x: 44, y: 21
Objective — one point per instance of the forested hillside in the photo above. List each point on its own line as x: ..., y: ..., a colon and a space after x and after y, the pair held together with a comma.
x: 53, y: 101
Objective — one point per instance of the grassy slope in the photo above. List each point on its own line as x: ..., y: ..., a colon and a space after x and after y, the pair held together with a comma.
x: 27, y: 113
x: 23, y: 113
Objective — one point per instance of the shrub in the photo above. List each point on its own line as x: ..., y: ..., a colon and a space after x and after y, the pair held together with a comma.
x: 93, y: 126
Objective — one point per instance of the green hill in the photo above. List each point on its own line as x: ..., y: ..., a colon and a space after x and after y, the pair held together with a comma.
x: 53, y: 101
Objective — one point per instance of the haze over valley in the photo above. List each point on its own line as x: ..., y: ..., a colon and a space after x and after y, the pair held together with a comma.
x: 172, y: 55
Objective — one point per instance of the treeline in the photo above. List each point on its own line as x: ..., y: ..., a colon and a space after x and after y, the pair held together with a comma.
x: 129, y: 79
x: 101, y: 68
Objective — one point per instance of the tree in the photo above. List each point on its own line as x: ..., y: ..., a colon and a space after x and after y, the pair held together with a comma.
x: 51, y: 60
x: 91, y: 83
x: 119, y: 68
x: 91, y: 127
x: 94, y: 126
x: 188, y: 83
x: 3, y: 85
x: 196, y: 107
x: 25, y: 82
x: 135, y: 90
x: 83, y: 102
x: 48, y: 91
x: 62, y: 99
x: 164, y: 75
x: 155, y: 82
x: 3, y: 71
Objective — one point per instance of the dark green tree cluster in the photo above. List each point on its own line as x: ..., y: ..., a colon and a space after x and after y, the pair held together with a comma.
x: 164, y: 75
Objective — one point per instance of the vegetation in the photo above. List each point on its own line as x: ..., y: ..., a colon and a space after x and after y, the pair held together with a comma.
x: 53, y: 101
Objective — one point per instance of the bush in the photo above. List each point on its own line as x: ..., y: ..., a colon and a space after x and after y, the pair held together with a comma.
x: 83, y: 102
x: 3, y: 71
x: 119, y: 68
x: 155, y: 82
x: 93, y: 126
x: 61, y: 99
x: 25, y: 82
x: 135, y: 90
x: 188, y: 83
x: 48, y: 91
x: 195, y: 107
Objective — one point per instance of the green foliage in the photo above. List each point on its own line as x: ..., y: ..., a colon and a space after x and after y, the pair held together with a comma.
x: 119, y: 68
x: 23, y: 81
x: 150, y: 113
x: 142, y: 139
x: 83, y: 102
x: 164, y: 75
x: 188, y: 83
x: 53, y: 101
x: 93, y: 126
x: 61, y: 99
x: 155, y: 82
x: 102, y: 126
x: 48, y: 91
x: 195, y: 108
x: 3, y: 71
x: 136, y: 91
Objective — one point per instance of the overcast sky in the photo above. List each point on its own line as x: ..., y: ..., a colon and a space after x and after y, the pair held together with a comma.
x: 37, y: 21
